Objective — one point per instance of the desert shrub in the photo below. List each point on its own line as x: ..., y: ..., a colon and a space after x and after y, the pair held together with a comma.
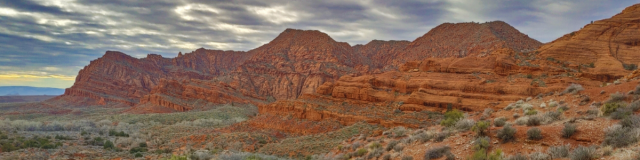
x: 386, y: 157
x: 138, y: 155
x: 631, y: 122
x: 118, y: 134
x: 607, y: 150
x: 499, y: 122
x: 137, y: 149
x: 522, y: 120
x: 375, y: 145
x: 246, y: 156
x: 422, y: 137
x: 361, y: 152
x: 481, y: 143
x: 619, y: 136
x: 437, y: 152
x: 616, y: 97
x: 407, y: 158
x: 398, y: 148
x: 465, y: 124
x: 534, y: 134
x: 530, y: 112
x: 621, y: 113
x: 610, y: 107
x: 573, y: 88
x: 551, y: 116
x: 142, y: 144
x: 534, y: 121
x: 108, y: 145
x: 390, y: 145
x: 563, y: 108
x: 375, y: 153
x: 516, y: 115
x: 481, y: 128
x: 593, y: 112
x: 451, y: 117
x: 441, y: 136
x: 201, y: 155
x: 509, y: 107
x: 399, y: 131
x: 635, y: 106
x: 478, y: 155
x: 356, y: 145
x: 630, y: 67
x: 518, y: 156
x: 583, y: 153
x: 559, y: 151
x: 526, y: 106
x: 568, y: 130
x: 507, y: 133
x: 487, y: 112
x: 553, y: 103
x: 539, y: 156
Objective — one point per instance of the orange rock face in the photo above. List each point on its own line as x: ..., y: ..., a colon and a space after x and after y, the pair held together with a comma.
x: 607, y: 44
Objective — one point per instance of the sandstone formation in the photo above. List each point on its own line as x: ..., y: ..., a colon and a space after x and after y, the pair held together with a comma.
x: 607, y: 45
x: 294, y: 63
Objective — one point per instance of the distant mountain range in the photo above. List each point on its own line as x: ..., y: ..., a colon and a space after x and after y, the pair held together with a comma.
x: 25, y: 90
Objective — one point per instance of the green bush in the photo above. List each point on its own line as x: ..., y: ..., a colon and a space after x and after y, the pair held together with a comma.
x: 630, y: 67
x: 451, y: 117
x: 478, y: 155
x: 137, y: 149
x: 531, y: 112
x: 108, y: 145
x: 610, y: 107
x: 568, y: 130
x: 142, y: 144
x: 118, y: 134
x: 138, y: 155
x: 482, y: 143
x: 534, y: 134
x: 507, y: 133
x: 481, y: 128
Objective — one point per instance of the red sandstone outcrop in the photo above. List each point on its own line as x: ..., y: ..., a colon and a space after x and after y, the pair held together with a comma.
x: 607, y: 44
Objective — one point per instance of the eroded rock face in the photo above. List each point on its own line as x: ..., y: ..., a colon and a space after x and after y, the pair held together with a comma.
x: 607, y: 44
x: 117, y: 77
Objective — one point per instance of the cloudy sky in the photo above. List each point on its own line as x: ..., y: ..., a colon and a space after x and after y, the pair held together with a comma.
x: 46, y: 42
